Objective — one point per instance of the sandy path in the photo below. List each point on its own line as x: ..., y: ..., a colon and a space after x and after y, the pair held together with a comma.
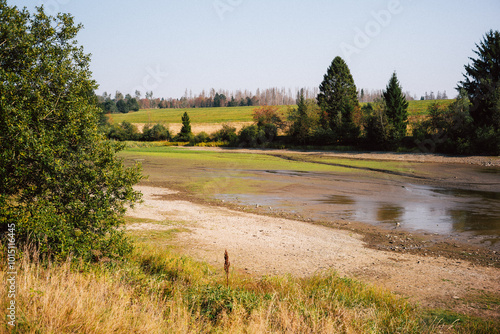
x: 263, y: 245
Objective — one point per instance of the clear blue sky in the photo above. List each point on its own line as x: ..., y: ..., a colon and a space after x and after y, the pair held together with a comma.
x: 170, y: 46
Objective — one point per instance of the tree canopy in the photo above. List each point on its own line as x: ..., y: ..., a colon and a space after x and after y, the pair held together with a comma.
x: 338, y: 97
x: 61, y: 184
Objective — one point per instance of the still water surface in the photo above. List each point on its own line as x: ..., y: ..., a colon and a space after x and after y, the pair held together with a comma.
x: 388, y: 201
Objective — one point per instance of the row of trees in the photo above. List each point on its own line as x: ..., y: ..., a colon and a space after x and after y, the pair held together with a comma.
x: 470, y: 125
x: 335, y: 117
x: 224, y: 98
x: 220, y: 98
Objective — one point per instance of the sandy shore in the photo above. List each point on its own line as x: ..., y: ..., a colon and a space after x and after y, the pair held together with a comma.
x: 263, y: 245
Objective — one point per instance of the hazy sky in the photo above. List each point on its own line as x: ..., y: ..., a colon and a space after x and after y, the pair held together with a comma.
x: 170, y: 46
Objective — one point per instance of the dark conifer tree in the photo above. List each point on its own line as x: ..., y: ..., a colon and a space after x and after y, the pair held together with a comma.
x: 482, y: 82
x: 186, y: 125
x: 338, y: 97
x: 396, y: 109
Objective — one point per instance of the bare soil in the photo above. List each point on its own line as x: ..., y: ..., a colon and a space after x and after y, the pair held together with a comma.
x: 271, y: 245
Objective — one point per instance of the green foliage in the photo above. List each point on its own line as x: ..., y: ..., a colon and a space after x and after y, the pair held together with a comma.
x: 482, y: 82
x: 201, y: 137
x: 122, y: 106
x: 109, y: 107
x: 268, y: 115
x: 304, y: 119
x: 132, y: 104
x: 448, y: 129
x: 226, y: 134
x: 396, y: 110
x: 156, y: 133
x: 61, y: 183
x: 376, y: 125
x: 250, y: 136
x: 338, y: 97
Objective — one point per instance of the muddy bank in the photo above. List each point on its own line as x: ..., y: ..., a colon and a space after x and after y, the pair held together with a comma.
x: 454, y: 198
x: 264, y: 245
x: 490, y: 161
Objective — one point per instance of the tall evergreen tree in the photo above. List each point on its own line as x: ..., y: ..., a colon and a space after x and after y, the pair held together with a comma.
x: 301, y: 121
x: 396, y: 109
x: 186, y: 124
x: 185, y: 134
x: 338, y: 97
x: 482, y: 82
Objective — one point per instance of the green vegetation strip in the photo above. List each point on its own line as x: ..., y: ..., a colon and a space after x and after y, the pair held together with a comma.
x: 227, y: 160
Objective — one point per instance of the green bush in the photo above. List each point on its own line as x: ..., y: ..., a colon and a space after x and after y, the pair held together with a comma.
x: 62, y: 186
x: 226, y: 134
x: 157, y: 133
x: 201, y: 137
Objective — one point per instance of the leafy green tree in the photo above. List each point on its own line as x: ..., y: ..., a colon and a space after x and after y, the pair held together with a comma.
x: 338, y: 97
x: 396, y: 109
x: 122, y: 106
x: 109, y: 106
x: 132, y: 104
x: 448, y: 129
x: 226, y: 134
x: 61, y: 184
x: 156, y: 133
x: 376, y: 125
x: 304, y: 119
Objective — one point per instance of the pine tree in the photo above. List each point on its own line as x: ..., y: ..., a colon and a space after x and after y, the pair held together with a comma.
x: 396, y: 109
x: 482, y: 82
x: 301, y: 121
x: 338, y: 97
x: 185, y: 134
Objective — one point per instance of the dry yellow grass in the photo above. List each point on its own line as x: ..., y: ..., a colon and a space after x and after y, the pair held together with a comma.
x: 197, y: 128
x: 157, y: 291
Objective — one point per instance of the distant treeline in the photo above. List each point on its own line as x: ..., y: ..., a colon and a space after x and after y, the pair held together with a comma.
x: 333, y: 115
x: 224, y: 98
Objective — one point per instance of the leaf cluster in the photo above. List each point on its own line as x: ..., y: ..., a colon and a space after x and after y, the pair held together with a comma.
x: 61, y: 183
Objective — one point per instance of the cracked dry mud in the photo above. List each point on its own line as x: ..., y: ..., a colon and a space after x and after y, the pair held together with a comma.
x: 263, y: 245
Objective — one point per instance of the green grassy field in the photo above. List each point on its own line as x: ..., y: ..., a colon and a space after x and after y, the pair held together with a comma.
x: 196, y: 115
x: 226, y: 114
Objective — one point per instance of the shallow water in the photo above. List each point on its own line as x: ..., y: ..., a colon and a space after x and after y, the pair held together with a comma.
x: 389, y: 201
x: 435, y: 210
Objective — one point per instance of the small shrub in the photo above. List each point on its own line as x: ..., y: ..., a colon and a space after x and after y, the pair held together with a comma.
x: 156, y: 133
x: 202, y: 137
x: 226, y: 134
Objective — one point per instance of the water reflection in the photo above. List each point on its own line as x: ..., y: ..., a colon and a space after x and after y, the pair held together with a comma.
x: 390, y: 213
x: 431, y: 209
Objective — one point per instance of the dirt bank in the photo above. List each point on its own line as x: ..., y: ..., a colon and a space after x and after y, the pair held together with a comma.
x: 264, y: 245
